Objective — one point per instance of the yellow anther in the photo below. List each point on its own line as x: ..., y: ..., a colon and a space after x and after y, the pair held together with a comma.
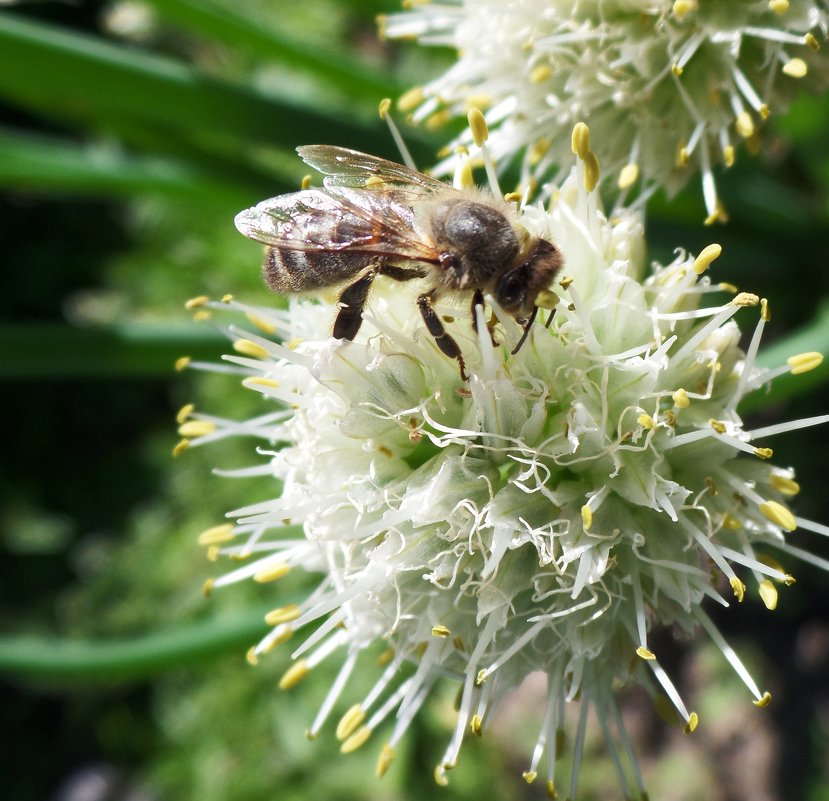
x: 628, y: 175
x: 213, y: 553
x: 383, y: 108
x: 591, y: 171
x: 765, y: 310
x: 272, y: 573
x: 294, y: 675
x: 718, y: 215
x: 550, y: 789
x: 529, y: 776
x: 779, y: 6
x: 646, y: 421
x: 812, y: 41
x: 261, y: 323
x: 728, y: 155
x: 207, y: 587
x: 731, y: 523
x: 195, y: 303
x: 411, y: 99
x: 763, y: 702
x: 306, y: 181
x: 283, y: 636
x: 384, y: 761
x: 547, y: 299
x: 196, y: 428
x: 745, y: 299
x: 436, y: 121
x: 586, y: 517
x: 739, y: 589
x: 440, y: 631
x: 788, y: 580
x: 565, y: 282
x: 645, y: 653
x: 477, y: 126
x: 481, y: 677
x: 282, y: 614
x: 385, y: 657
x: 705, y: 258
x: 475, y: 725
x: 182, y: 363
x: 784, y: 484
x: 683, y: 157
x: 350, y: 721
x: 726, y: 287
x: 251, y: 658
x: 681, y: 399
x: 259, y: 382
x: 248, y: 348
x: 676, y: 70
x: 217, y: 535
x: 763, y: 453
x: 804, y: 362
x: 744, y: 124
x: 181, y: 446
x: 691, y: 723
x: 683, y: 7
x: 355, y: 740
x: 539, y: 150
x: 768, y: 594
x: 718, y: 426
x: 580, y: 140
x: 464, y: 174
x: 440, y: 776
x: 541, y: 73
x: 201, y: 315
x: 778, y: 514
x: 796, y: 68
x: 226, y: 298
x: 184, y: 412
x: 514, y: 197
x: 764, y: 111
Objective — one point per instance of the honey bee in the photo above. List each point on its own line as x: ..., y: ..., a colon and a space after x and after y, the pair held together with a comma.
x: 374, y: 217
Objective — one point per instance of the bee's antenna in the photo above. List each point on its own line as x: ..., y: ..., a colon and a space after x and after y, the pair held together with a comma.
x: 527, y: 327
x: 385, y: 108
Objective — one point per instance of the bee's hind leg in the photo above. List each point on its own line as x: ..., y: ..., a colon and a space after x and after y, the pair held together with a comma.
x: 436, y: 329
x: 352, y: 302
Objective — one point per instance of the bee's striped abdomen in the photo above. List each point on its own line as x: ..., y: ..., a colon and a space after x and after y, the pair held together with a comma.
x: 291, y: 271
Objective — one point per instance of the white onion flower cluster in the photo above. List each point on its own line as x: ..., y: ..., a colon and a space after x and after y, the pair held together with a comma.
x: 545, y: 515
x: 670, y: 87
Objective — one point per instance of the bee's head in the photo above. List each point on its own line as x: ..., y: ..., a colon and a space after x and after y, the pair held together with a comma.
x: 517, y: 289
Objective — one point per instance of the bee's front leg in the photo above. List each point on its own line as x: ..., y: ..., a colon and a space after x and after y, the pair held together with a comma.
x: 436, y: 329
x: 352, y: 302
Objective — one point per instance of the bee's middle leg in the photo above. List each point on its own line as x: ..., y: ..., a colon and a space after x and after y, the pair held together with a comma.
x: 435, y: 327
x: 352, y: 301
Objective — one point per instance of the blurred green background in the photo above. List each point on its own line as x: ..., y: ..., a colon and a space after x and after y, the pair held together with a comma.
x: 130, y: 135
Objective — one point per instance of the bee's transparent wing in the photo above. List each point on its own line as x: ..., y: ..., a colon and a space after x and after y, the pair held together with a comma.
x: 358, y: 221
x: 344, y: 167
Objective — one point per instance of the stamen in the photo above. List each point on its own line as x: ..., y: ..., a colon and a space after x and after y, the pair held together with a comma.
x: 385, y: 115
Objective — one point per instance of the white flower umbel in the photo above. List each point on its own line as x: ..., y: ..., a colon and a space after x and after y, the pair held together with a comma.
x: 544, y: 515
x: 670, y: 88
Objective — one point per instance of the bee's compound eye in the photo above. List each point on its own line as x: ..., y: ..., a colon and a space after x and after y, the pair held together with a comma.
x: 511, y: 289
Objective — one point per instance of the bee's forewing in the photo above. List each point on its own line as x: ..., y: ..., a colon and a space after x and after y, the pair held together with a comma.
x: 344, y: 167
x: 343, y: 219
